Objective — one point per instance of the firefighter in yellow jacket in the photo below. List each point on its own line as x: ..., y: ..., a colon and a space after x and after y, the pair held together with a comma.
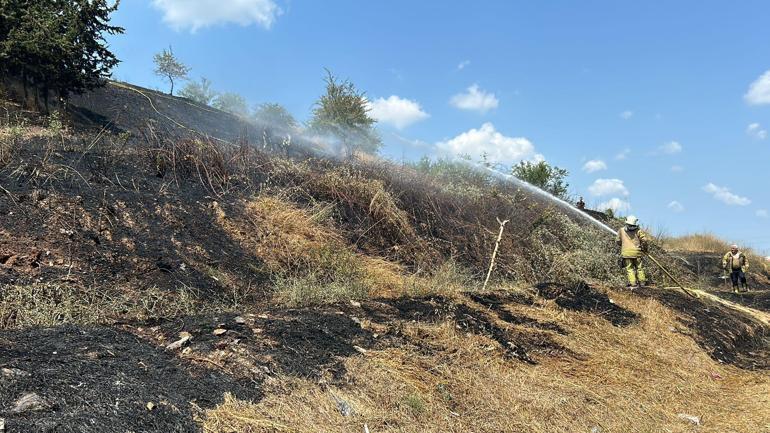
x: 633, y: 244
x: 736, y: 263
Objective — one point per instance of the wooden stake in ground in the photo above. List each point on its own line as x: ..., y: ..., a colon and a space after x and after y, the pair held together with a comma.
x: 494, y: 253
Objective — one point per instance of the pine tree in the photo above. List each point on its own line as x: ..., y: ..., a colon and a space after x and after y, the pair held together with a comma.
x: 58, y: 46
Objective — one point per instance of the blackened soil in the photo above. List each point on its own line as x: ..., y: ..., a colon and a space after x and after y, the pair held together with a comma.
x: 100, y: 379
x: 496, y: 302
x: 582, y: 297
x: 516, y: 344
x: 300, y: 343
x: 758, y: 300
x: 727, y: 335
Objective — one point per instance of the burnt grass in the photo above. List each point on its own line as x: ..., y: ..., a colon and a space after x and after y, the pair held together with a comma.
x: 100, y: 379
x: 515, y: 343
x: 582, y: 297
x: 496, y: 302
x: 727, y: 336
x: 310, y: 343
x: 758, y: 300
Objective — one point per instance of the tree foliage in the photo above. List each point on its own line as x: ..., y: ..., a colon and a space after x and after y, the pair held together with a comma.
x: 233, y: 103
x: 169, y: 67
x: 275, y: 116
x: 199, y: 91
x: 54, y: 45
x: 543, y: 176
x: 343, y: 112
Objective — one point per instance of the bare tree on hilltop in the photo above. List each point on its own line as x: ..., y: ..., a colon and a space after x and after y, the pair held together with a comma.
x: 169, y: 67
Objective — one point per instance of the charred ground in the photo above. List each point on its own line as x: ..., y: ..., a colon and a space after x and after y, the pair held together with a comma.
x: 291, y: 273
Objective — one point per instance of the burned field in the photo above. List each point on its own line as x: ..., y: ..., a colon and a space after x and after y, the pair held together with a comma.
x: 727, y: 335
x: 131, y: 376
x: 101, y: 379
x: 127, y: 376
x: 148, y: 282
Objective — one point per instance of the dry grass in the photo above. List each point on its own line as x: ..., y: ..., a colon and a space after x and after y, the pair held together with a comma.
x: 711, y: 243
x: 56, y: 304
x: 635, y: 379
x: 698, y: 242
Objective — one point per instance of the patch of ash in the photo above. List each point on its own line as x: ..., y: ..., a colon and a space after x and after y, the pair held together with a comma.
x: 99, y: 379
x: 582, y: 297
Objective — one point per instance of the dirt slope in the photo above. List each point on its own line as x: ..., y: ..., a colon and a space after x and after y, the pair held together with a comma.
x: 125, y: 107
x: 329, y: 295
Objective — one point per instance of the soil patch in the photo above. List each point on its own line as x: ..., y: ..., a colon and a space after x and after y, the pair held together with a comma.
x: 582, y: 297
x: 99, y: 379
x: 727, y: 335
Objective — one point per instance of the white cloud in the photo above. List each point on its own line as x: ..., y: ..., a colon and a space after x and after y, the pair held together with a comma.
x: 670, y: 148
x: 602, y: 187
x: 677, y: 168
x: 626, y: 114
x: 762, y: 213
x: 197, y: 14
x: 724, y: 195
x: 759, y: 90
x: 475, y: 99
x: 498, y: 147
x: 594, y: 165
x: 623, y: 154
x: 399, y: 112
x: 676, y: 206
x: 617, y: 205
x: 755, y: 131
x: 463, y: 64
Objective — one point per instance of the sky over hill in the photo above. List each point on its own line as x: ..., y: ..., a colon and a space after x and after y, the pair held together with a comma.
x: 657, y: 109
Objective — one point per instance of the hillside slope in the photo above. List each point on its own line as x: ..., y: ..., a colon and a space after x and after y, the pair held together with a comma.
x: 315, y: 293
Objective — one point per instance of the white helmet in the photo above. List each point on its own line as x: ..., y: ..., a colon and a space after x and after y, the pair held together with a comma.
x: 632, y: 220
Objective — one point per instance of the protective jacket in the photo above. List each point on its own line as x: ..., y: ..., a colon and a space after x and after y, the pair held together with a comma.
x: 734, y: 262
x: 632, y: 243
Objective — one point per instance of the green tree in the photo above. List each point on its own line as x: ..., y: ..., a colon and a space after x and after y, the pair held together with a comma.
x: 233, y: 103
x: 169, y: 67
x: 199, y: 91
x: 275, y: 116
x: 53, y: 45
x: 543, y: 176
x: 343, y: 112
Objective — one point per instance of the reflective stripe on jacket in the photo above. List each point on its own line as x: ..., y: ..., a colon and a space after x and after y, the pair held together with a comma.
x: 631, y: 243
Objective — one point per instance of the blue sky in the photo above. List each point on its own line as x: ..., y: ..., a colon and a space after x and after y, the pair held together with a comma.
x: 660, y: 109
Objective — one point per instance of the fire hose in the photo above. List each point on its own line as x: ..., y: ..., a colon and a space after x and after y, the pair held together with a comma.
x: 668, y: 274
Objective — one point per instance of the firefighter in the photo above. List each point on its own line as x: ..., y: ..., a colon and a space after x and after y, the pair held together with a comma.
x: 736, y: 263
x: 633, y: 244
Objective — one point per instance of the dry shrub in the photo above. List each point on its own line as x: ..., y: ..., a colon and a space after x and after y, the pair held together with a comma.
x: 561, y: 250
x: 310, y: 261
x: 698, y: 242
x: 637, y: 379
